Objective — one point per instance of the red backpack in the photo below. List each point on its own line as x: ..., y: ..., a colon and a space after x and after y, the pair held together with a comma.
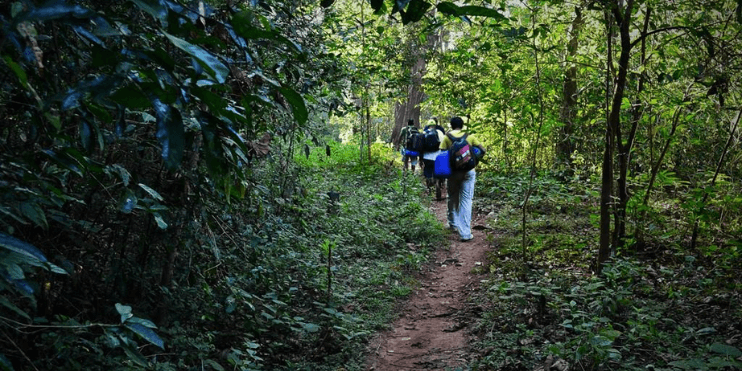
x: 461, y: 154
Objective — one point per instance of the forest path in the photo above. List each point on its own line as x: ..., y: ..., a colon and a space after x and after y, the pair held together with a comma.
x: 430, y: 333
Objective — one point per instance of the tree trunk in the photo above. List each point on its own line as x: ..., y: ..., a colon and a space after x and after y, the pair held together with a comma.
x: 410, y: 108
x: 612, y: 127
x: 566, y: 144
x: 624, y: 149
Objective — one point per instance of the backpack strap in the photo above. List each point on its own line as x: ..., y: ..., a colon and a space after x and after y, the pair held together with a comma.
x: 453, y: 139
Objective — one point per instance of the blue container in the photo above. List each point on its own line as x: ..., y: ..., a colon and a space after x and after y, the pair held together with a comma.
x: 410, y: 153
x: 478, y: 153
x: 442, y: 168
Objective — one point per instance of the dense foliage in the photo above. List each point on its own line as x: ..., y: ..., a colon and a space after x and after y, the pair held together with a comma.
x: 663, y: 308
x: 148, y: 174
x: 169, y: 174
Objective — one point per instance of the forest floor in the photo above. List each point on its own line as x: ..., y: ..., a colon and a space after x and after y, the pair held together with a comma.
x: 430, y: 333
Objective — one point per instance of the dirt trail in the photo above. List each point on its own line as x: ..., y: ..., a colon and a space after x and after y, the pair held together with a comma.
x: 430, y: 333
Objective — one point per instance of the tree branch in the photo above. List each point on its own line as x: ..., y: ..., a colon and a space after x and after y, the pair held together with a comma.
x: 643, y: 36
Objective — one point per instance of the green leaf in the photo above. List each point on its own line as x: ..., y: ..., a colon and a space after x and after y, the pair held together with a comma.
x: 600, y: 341
x: 18, y: 70
x: 298, y: 107
x: 6, y: 303
x: 135, y: 356
x: 14, y: 271
x: 20, y: 247
x: 725, y: 350
x: 131, y: 97
x: 469, y: 10
x: 160, y: 221
x: 124, y: 311
x: 706, y: 331
x: 377, y: 5
x: 214, y: 365
x: 54, y: 268
x: 146, y: 333
x: 155, y: 8
x: 151, y: 192
x: 34, y: 213
x: 310, y: 327
x: 170, y: 133
x: 5, y: 365
x: 242, y: 23
x: 121, y: 172
x: 85, y: 135
x: 64, y: 161
x: 142, y: 321
x: 57, y: 10
x: 415, y: 11
x: 611, y: 334
x: 690, y: 364
x: 218, y: 70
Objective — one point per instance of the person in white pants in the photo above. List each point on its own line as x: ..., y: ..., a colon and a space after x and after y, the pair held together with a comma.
x: 460, y: 200
x: 461, y: 184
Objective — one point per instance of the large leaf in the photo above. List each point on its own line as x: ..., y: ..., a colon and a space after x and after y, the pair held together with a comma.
x: 377, y: 5
x: 218, y: 70
x: 160, y: 221
x: 469, y: 10
x: 131, y: 97
x: 86, y: 135
x: 170, y: 133
x: 13, y: 244
x: 415, y: 11
x: 6, y: 303
x: 124, y: 311
x: 298, y: 107
x: 155, y: 8
x: 212, y: 150
x: 34, y: 213
x: 56, y: 10
x: 64, y: 161
x: 146, y: 333
x: 18, y: 70
x: 242, y: 23
x: 151, y: 192
x: 725, y: 350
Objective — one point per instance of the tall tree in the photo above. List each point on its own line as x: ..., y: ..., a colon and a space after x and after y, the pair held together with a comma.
x: 566, y: 141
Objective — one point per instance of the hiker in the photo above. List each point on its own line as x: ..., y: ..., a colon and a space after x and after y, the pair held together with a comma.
x: 433, y: 137
x: 406, y: 136
x: 461, y: 182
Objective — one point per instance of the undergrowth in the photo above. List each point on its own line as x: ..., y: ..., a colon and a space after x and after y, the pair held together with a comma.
x: 658, y: 308
x: 285, y: 276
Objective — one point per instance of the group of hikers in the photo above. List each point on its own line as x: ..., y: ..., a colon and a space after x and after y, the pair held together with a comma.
x: 446, y: 157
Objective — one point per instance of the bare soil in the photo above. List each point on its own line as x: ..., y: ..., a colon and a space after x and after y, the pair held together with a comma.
x: 431, y: 331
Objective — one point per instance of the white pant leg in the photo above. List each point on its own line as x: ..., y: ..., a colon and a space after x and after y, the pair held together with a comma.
x: 454, y: 194
x: 462, y: 216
